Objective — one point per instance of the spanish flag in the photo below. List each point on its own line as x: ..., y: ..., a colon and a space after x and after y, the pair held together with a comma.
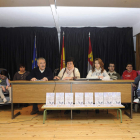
x: 62, y: 64
x: 90, y: 55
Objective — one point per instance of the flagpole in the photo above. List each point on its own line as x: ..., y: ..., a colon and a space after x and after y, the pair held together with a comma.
x: 90, y: 55
x: 34, y: 61
x: 62, y: 54
x: 35, y: 46
x: 89, y: 67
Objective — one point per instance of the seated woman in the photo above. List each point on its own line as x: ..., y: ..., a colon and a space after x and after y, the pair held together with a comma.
x: 70, y: 72
x: 21, y: 74
x: 98, y: 70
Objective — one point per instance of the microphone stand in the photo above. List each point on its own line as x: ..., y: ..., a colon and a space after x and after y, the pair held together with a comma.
x: 55, y: 72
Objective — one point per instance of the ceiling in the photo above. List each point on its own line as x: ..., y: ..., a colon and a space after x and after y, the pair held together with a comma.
x: 98, y: 16
x: 26, y: 16
x: 73, y: 3
x: 69, y: 13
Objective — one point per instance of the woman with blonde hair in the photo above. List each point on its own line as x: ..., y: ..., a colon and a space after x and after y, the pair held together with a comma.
x: 98, y: 70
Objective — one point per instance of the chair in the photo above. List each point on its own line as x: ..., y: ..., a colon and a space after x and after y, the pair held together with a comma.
x: 138, y: 72
x: 7, y: 97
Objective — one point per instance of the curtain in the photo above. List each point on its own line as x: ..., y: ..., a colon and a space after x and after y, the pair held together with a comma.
x: 16, y: 46
x: 111, y: 44
x: 138, y: 52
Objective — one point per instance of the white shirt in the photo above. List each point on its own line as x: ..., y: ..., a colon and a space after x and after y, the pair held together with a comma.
x: 42, y: 70
x: 97, y: 73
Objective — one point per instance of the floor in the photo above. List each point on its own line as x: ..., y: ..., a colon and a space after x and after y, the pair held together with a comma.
x: 59, y: 126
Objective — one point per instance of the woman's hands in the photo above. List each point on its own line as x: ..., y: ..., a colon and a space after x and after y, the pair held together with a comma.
x: 56, y: 77
x: 100, y: 77
x: 68, y: 78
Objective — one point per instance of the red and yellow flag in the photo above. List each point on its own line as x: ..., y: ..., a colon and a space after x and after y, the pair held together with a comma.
x: 62, y: 65
x: 90, y: 55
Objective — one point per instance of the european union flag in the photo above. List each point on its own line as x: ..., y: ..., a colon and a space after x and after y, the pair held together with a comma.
x: 34, y: 61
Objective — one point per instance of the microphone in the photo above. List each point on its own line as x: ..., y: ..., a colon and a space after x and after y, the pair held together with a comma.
x: 55, y: 71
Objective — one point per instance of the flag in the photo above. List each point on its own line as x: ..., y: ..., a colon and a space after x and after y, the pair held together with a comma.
x: 90, y: 55
x: 62, y: 64
x: 34, y: 61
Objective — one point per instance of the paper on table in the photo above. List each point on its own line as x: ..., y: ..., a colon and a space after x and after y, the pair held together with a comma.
x: 78, y: 98
x: 109, y: 98
x: 99, y: 98
x: 60, y: 98
x: 50, y: 105
x: 69, y: 98
x: 116, y: 98
x: 88, y: 98
x: 50, y: 98
x: 79, y: 105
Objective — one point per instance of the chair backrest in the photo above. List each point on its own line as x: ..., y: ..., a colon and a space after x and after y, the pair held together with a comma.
x: 138, y: 72
x: 5, y: 70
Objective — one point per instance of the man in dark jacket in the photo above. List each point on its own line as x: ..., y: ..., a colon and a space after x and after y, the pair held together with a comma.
x: 112, y: 73
x: 40, y: 73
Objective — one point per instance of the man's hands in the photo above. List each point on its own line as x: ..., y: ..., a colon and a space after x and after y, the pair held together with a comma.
x: 133, y: 85
x: 33, y: 79
x: 43, y: 79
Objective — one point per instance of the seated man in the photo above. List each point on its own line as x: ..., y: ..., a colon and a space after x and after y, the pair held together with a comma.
x: 135, y: 85
x: 129, y: 74
x: 112, y: 73
x: 40, y: 73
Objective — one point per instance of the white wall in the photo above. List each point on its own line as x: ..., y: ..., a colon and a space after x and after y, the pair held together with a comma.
x: 136, y: 29
x: 134, y: 40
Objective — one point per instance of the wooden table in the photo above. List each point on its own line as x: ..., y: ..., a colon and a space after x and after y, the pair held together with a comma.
x: 35, y: 92
x: 84, y: 107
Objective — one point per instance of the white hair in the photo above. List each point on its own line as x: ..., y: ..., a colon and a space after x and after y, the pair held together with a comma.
x: 41, y: 58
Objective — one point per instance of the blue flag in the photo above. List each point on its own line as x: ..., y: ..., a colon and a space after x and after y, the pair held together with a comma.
x: 34, y: 61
